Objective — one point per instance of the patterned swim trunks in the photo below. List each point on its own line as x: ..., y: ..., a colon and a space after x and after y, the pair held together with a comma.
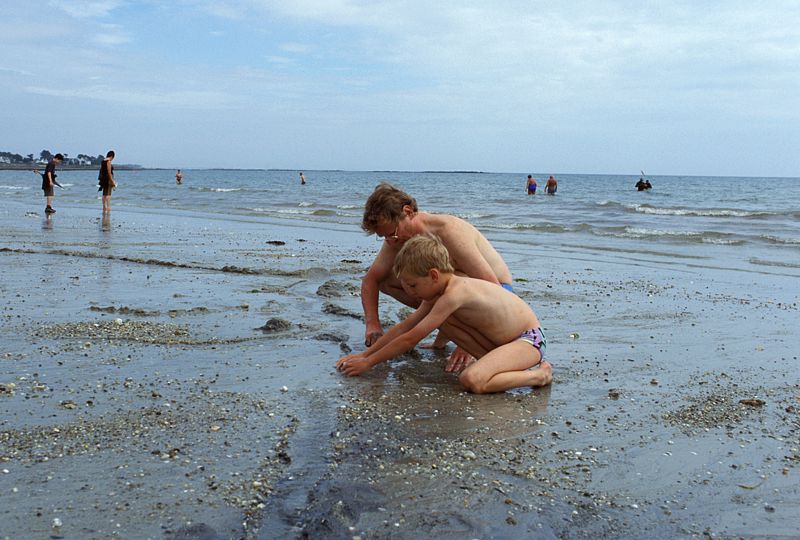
x: 535, y: 337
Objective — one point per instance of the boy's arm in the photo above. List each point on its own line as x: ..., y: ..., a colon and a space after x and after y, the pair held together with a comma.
x: 400, y: 328
x: 359, y: 363
x: 400, y: 340
x: 370, y: 290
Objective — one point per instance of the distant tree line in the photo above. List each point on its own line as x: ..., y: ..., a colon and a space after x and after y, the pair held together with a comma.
x: 46, y: 155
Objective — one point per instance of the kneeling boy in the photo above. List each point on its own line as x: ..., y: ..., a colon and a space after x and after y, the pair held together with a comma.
x: 492, y: 324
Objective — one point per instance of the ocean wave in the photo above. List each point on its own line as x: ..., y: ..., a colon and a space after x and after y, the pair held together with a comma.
x: 214, y: 190
x: 724, y: 241
x: 15, y: 188
x: 474, y: 216
x: 683, y: 211
x: 540, y: 227
x: 779, y: 264
x: 305, y: 204
x: 641, y: 232
x: 778, y: 240
x: 298, y: 212
x: 291, y: 211
x: 706, y: 237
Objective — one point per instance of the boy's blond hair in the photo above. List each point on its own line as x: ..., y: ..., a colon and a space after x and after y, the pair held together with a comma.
x: 420, y: 254
x: 386, y: 203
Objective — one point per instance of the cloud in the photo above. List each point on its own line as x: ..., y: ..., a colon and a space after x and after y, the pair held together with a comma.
x: 182, y: 99
x: 16, y: 71
x: 112, y: 35
x: 223, y: 9
x: 294, y: 47
x: 278, y: 59
x: 86, y: 8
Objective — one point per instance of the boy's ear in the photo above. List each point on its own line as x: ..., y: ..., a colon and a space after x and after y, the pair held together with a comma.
x: 434, y: 274
x: 407, y: 210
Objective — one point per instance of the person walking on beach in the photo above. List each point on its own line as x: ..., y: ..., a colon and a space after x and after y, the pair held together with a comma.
x: 551, y: 186
x: 49, y: 182
x: 495, y: 326
x: 393, y: 216
x: 179, y: 177
x: 106, y: 180
x: 302, y: 179
x: 531, y: 185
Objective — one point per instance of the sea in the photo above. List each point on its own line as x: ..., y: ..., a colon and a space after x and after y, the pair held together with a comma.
x: 749, y: 224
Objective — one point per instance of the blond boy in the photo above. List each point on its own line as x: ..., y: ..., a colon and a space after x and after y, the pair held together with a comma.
x: 489, y: 322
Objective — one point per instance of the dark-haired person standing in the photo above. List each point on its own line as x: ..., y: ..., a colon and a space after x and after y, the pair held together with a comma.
x: 106, y: 180
x: 49, y: 181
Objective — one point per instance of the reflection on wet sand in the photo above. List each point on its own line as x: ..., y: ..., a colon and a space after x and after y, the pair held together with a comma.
x: 105, y: 223
x: 47, y: 222
x: 433, y: 403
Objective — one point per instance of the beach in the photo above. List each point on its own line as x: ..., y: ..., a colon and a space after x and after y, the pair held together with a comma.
x: 168, y: 371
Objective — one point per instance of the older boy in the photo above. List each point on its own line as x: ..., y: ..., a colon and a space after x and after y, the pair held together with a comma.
x: 492, y: 324
x: 393, y: 216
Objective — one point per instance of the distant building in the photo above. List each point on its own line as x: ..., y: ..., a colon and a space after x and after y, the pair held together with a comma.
x: 4, y: 159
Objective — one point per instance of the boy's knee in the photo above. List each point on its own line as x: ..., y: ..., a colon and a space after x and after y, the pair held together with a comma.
x: 470, y: 380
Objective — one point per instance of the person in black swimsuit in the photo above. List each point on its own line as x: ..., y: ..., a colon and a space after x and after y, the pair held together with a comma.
x: 106, y: 180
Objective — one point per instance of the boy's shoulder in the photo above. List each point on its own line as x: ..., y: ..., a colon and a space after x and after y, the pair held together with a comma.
x: 462, y: 286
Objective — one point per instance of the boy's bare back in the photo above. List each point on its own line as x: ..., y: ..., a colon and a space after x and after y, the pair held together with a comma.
x: 483, y: 315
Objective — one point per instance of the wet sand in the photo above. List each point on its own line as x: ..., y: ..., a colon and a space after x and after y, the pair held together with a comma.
x: 172, y: 376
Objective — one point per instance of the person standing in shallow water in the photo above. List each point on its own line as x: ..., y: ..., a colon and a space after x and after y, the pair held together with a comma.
x: 106, y: 180
x: 179, y: 177
x: 531, y: 185
x: 551, y: 186
x: 302, y: 179
x: 49, y: 182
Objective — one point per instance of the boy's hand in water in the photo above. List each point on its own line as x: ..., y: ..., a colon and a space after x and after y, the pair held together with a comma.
x: 354, y: 364
x: 458, y: 360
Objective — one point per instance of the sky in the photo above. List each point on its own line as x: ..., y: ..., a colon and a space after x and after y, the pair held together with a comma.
x: 668, y: 88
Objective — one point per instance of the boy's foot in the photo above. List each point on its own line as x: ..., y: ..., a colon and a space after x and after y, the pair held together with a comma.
x: 542, y: 374
x: 49, y: 210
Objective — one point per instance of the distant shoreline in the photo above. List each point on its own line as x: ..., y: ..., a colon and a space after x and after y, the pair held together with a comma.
x: 133, y: 167
x: 32, y: 166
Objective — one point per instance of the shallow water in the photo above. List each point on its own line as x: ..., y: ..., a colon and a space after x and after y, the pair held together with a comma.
x: 757, y: 212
